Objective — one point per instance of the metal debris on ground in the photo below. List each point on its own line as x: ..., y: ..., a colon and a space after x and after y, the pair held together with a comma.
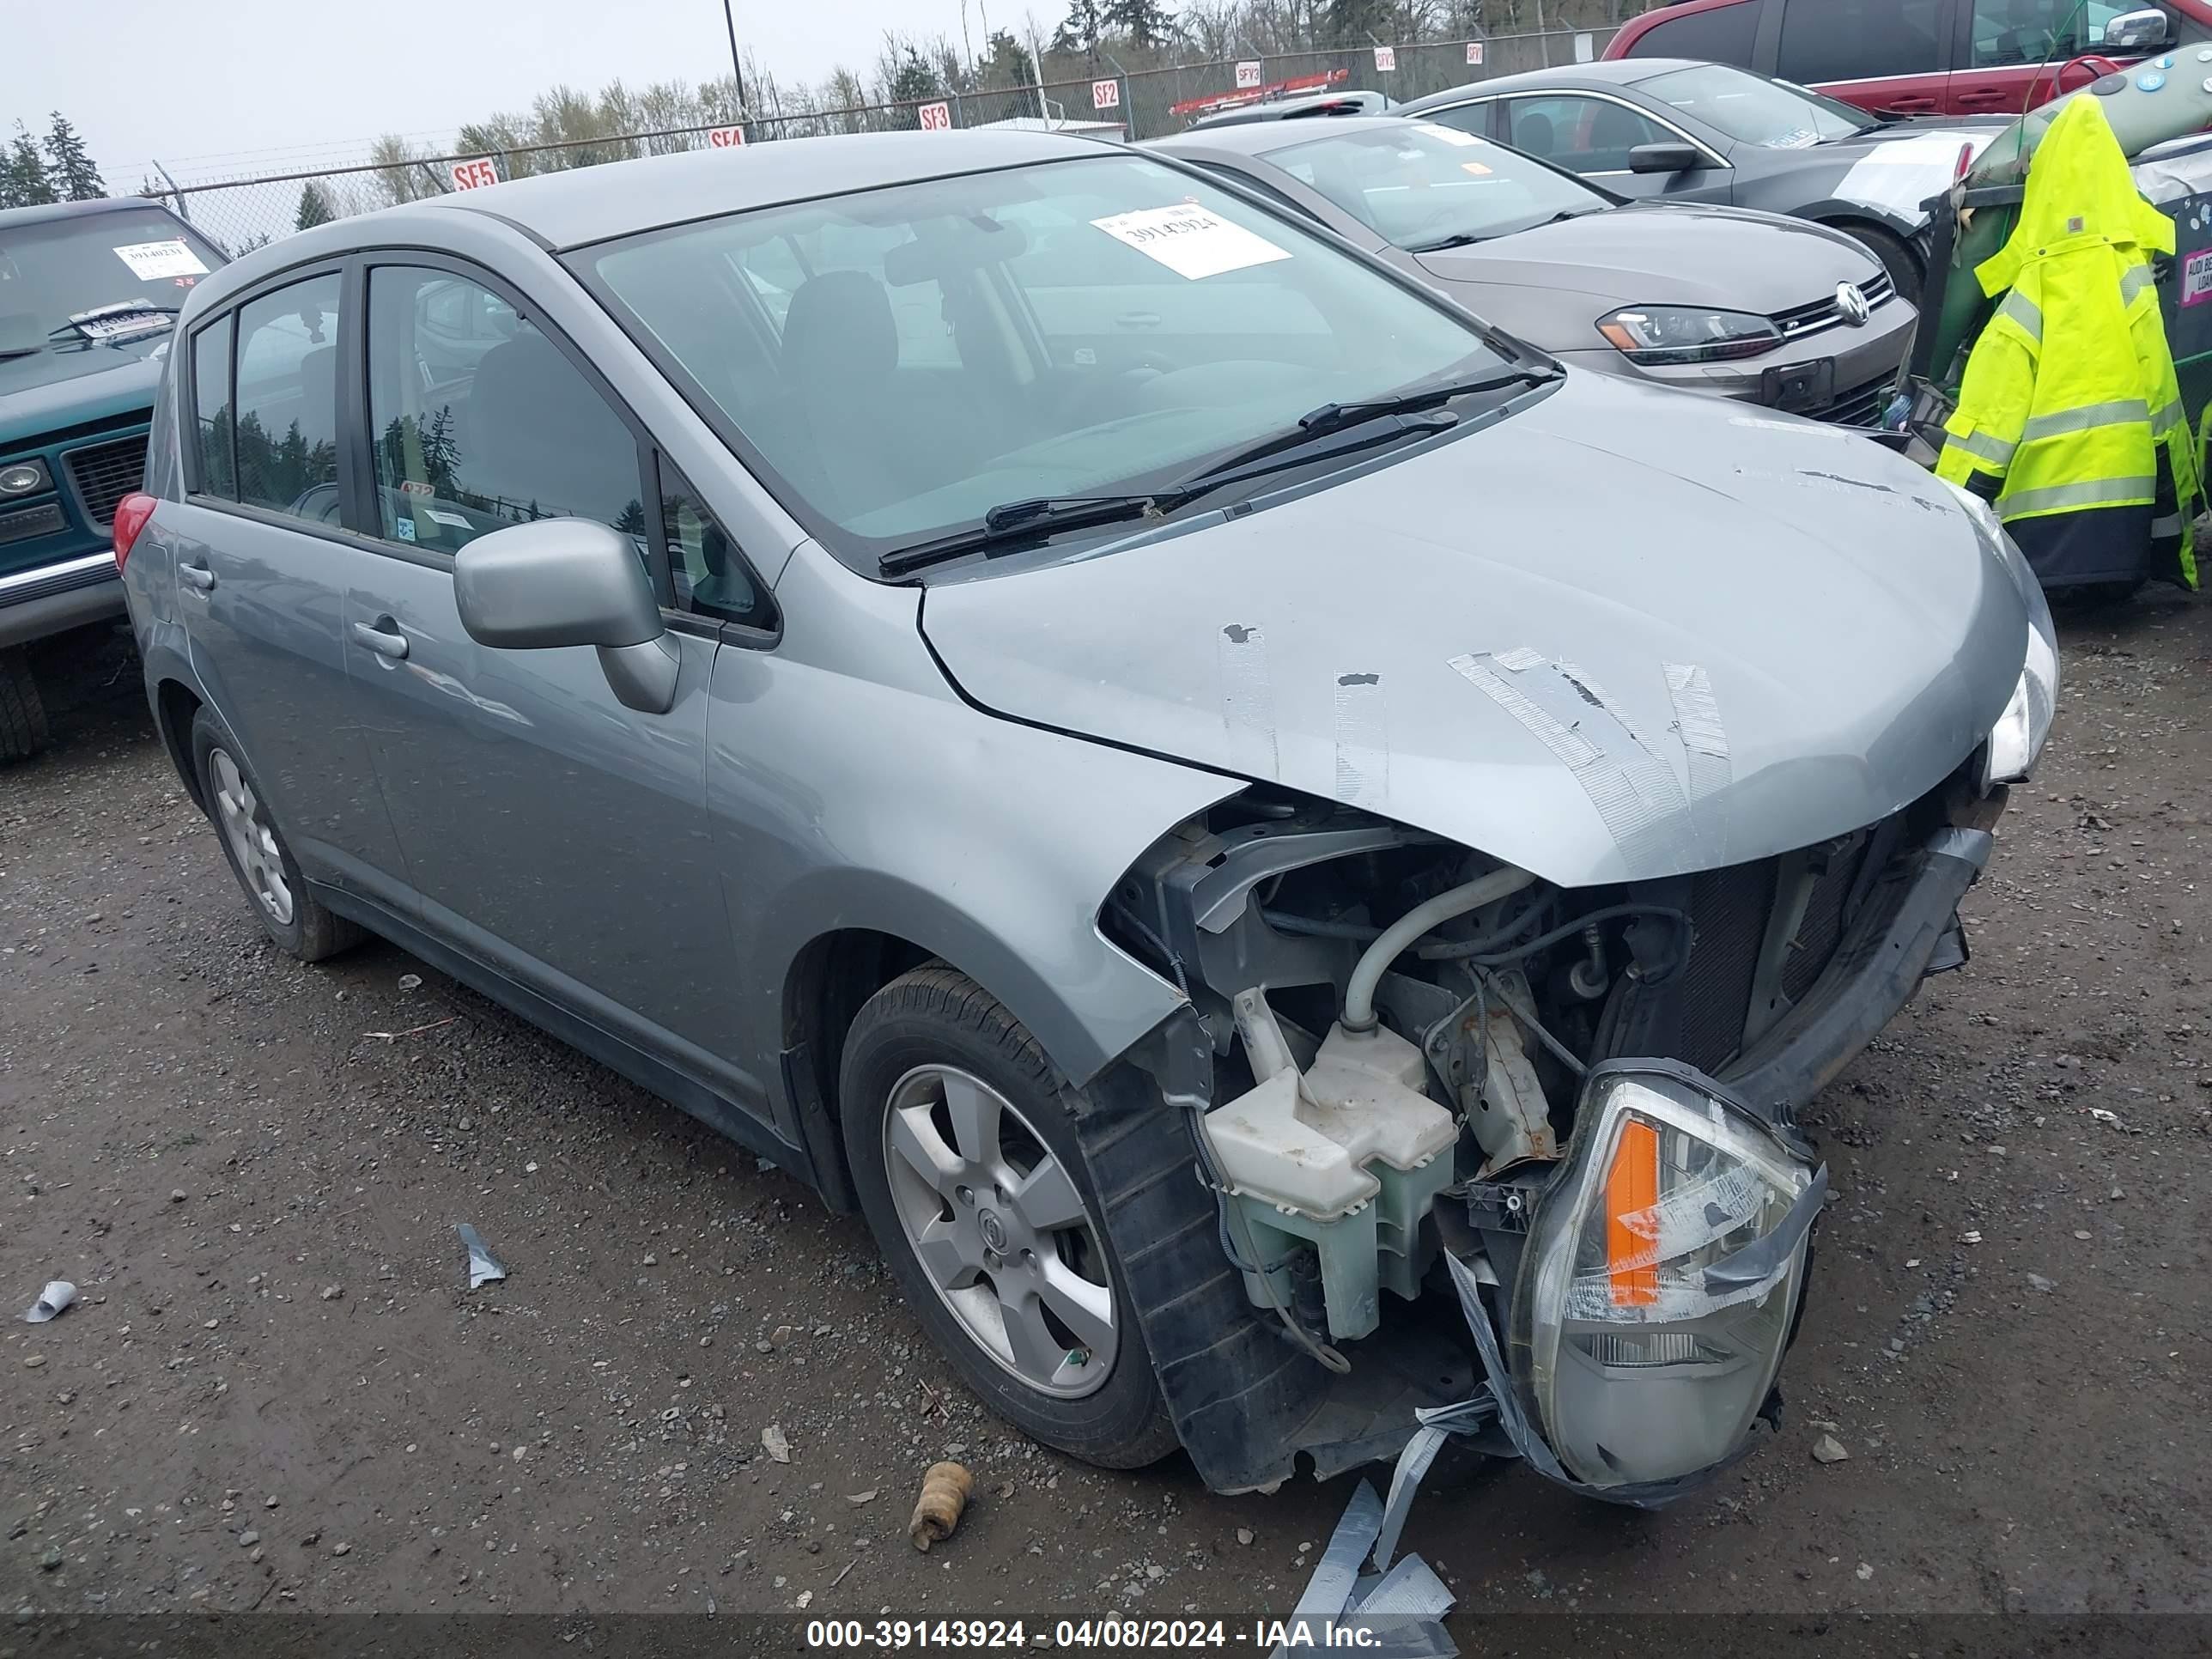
x: 57, y: 1295
x: 483, y: 1266
x: 945, y: 1492
x: 1399, y: 1614
x: 412, y: 1031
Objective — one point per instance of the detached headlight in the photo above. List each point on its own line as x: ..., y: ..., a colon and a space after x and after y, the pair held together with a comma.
x: 1662, y: 1277
x: 1688, y: 334
x: 22, y: 478
x: 2017, y: 738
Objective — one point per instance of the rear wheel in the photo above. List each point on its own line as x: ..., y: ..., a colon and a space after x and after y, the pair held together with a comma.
x: 23, y: 729
x: 974, y: 1183
x: 1897, y: 258
x: 258, y: 855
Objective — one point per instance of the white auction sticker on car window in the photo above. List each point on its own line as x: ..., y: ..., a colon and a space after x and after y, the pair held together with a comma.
x: 1450, y: 135
x: 1190, y: 240
x: 151, y: 261
x: 121, y: 324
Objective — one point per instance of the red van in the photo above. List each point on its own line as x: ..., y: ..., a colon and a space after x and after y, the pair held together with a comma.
x: 1921, y: 57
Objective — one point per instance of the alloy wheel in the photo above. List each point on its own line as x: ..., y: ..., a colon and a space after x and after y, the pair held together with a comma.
x: 252, y: 838
x: 1001, y: 1231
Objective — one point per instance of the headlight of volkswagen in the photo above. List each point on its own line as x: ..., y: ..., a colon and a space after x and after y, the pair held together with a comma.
x: 1688, y: 334
x: 2017, y: 738
x: 1662, y: 1277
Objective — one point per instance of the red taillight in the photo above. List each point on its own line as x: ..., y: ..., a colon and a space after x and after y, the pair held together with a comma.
x: 131, y: 515
x: 1965, y: 161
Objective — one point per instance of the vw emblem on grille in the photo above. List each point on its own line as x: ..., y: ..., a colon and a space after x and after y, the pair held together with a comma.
x: 1851, y: 304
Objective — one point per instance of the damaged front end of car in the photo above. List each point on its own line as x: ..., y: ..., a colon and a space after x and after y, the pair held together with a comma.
x: 1459, y: 1127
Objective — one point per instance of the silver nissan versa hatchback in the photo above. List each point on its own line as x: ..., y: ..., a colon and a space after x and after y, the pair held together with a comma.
x: 1209, y: 834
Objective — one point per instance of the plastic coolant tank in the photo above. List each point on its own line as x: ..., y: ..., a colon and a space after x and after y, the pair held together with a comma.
x: 1302, y: 1142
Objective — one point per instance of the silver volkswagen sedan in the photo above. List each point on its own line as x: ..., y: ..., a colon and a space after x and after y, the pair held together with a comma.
x: 1207, y: 847
x: 1751, y: 306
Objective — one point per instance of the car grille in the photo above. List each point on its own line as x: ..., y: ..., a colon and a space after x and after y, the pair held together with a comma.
x: 1699, y: 1014
x: 103, y: 474
x: 1800, y: 321
x: 1861, y: 406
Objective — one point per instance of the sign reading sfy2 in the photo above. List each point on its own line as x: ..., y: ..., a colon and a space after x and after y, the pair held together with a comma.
x: 936, y: 117
x: 1475, y: 53
x: 1105, y: 94
x: 475, y: 175
x: 1386, y: 59
x: 724, y: 137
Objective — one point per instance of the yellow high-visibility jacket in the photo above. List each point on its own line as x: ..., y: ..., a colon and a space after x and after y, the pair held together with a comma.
x: 2068, y: 416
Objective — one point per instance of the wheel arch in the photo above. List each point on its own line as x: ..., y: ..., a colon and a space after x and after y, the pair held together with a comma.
x: 175, y: 704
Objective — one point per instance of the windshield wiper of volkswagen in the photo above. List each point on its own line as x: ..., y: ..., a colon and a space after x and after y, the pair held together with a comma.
x: 1017, y: 523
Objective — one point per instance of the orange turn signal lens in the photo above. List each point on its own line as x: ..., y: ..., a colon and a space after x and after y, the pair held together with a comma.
x: 1631, y: 1188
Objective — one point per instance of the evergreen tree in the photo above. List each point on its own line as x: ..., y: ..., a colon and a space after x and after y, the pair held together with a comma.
x: 1356, y: 22
x: 1147, y: 22
x: 1079, y: 30
x: 314, y: 208
x: 914, y: 82
x: 1004, y: 62
x: 23, y: 180
x: 68, y: 165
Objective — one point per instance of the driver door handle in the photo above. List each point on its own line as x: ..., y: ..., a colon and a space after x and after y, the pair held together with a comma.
x: 393, y: 644
x: 196, y: 575
x: 1139, y: 319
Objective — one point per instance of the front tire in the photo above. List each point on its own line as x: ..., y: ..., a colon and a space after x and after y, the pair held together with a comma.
x: 23, y: 728
x: 972, y: 1179
x: 1897, y: 258
x: 258, y: 856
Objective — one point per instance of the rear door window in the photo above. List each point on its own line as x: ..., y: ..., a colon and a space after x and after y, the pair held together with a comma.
x: 211, y: 421
x: 1824, y: 40
x: 288, y: 400
x: 1725, y: 35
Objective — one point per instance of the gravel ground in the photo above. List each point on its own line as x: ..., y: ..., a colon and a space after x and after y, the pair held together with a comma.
x: 276, y: 1391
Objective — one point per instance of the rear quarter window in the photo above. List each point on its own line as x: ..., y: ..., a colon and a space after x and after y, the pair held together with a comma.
x: 1723, y: 35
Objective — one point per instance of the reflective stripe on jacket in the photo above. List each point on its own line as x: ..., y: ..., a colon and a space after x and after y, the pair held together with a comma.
x: 2070, y: 403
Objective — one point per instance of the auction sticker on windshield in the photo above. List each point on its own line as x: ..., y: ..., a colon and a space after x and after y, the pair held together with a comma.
x: 1191, y: 241
x: 150, y: 261
x: 1449, y: 135
x: 116, y: 325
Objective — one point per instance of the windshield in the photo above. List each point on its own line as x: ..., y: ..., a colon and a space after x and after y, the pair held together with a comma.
x: 1753, y: 109
x: 1418, y: 184
x: 904, y: 359
x: 121, y: 276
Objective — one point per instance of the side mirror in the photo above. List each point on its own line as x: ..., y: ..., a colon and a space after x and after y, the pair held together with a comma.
x: 569, y: 581
x: 1672, y: 156
x: 2137, y: 31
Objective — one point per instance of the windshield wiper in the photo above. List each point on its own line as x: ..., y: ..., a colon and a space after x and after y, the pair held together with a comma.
x: 10, y: 352
x: 1335, y: 417
x: 1457, y: 239
x: 1016, y: 522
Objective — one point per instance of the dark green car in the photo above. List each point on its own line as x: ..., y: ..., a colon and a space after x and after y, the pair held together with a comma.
x: 88, y: 291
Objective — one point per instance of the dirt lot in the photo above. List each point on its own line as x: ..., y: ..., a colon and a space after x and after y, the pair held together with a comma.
x: 277, y: 1392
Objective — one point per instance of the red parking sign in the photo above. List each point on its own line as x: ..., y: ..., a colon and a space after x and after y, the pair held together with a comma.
x: 937, y: 117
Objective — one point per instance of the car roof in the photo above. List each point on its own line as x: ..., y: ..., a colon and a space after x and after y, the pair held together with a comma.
x: 1297, y: 107
x: 593, y: 204
x: 12, y: 218
x: 1258, y: 137
x: 1605, y: 72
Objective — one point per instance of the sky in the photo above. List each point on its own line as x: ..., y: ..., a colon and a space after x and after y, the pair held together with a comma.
x: 203, y: 82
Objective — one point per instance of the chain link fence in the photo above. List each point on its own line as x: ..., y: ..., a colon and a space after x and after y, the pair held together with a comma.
x: 240, y: 214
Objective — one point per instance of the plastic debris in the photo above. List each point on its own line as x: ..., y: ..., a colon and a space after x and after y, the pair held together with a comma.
x: 1398, y: 1613
x: 483, y: 1266
x: 775, y: 1444
x: 57, y: 1295
x: 937, y: 1512
x: 1829, y: 1449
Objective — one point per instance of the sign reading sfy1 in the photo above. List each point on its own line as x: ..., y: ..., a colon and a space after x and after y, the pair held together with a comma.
x: 724, y: 137
x: 1105, y: 94
x: 936, y: 117
x: 1474, y: 52
x: 1249, y: 74
x: 1386, y: 59
x: 475, y: 175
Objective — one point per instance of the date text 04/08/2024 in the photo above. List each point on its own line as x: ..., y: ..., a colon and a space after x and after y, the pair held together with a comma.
x: 904, y: 1635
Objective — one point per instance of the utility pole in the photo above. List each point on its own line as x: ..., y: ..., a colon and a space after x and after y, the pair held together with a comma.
x: 737, y: 66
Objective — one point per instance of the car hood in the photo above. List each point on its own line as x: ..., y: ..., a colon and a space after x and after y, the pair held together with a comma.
x: 1623, y: 633
x: 1667, y: 255
x: 47, y: 390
